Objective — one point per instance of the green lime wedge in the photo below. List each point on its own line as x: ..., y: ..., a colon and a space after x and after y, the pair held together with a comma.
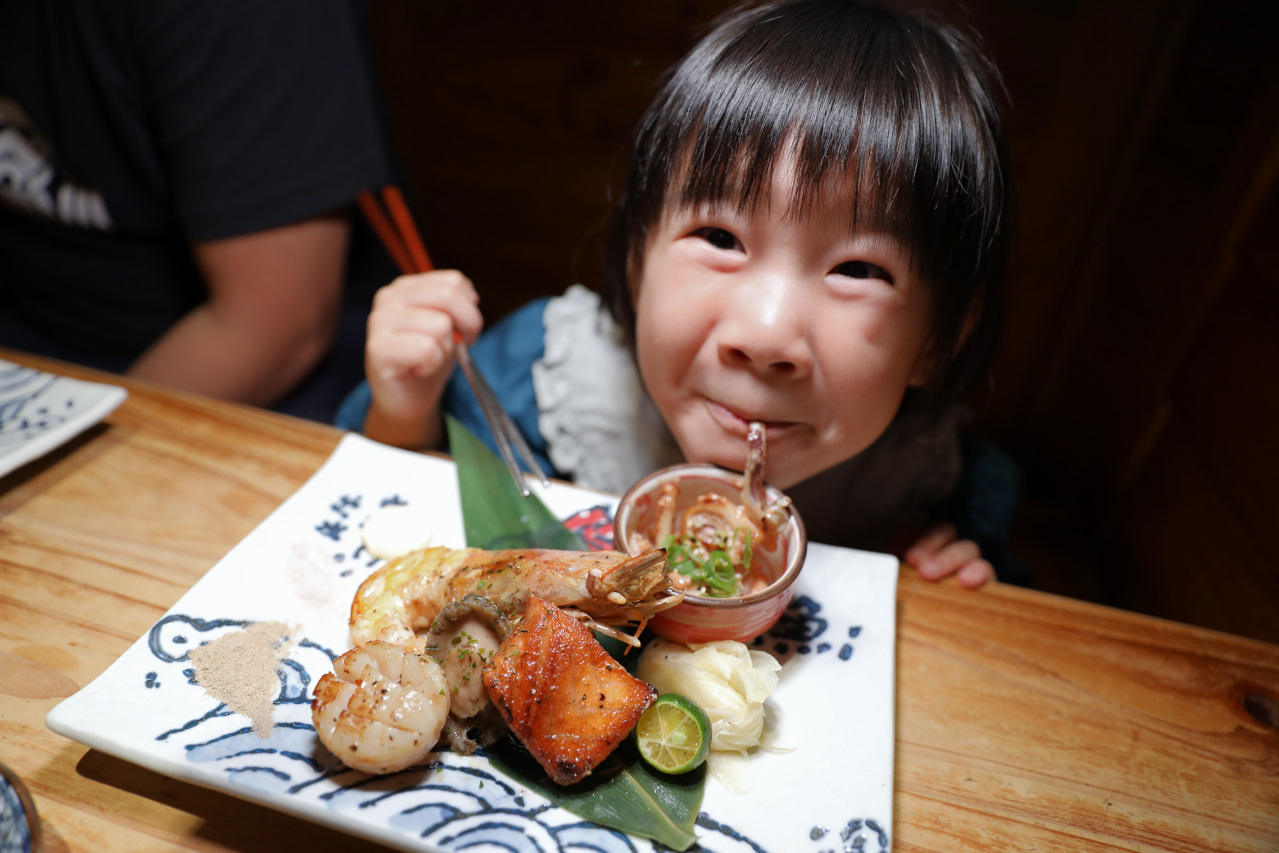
x: 673, y: 734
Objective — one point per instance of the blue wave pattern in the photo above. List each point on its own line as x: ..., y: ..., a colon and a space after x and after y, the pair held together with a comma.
x: 454, y: 802
x: 23, y: 414
x: 15, y: 827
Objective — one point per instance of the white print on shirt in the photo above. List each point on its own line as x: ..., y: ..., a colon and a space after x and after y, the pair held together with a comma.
x: 30, y: 181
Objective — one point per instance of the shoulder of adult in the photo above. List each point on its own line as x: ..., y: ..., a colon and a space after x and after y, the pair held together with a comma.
x: 266, y: 112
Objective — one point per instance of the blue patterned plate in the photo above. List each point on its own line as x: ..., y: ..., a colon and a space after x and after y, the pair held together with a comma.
x: 19, y: 823
x: 40, y: 411
x: 830, y: 788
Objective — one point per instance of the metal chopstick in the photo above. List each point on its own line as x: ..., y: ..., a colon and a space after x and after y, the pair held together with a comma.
x: 505, y: 431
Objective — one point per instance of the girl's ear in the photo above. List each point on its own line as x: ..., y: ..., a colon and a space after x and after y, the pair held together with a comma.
x: 926, y: 362
x: 922, y: 370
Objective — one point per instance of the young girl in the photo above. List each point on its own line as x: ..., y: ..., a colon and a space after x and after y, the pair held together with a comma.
x: 810, y: 235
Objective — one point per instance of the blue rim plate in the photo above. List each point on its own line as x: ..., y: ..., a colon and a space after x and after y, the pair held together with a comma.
x: 41, y: 411
x: 828, y: 785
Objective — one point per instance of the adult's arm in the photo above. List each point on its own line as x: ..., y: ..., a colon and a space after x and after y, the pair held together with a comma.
x: 264, y: 116
x: 274, y: 301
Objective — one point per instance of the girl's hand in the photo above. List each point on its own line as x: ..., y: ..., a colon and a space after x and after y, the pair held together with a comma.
x: 409, y: 353
x: 940, y: 553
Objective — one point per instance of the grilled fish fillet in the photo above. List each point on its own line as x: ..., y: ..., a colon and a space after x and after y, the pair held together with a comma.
x: 563, y: 696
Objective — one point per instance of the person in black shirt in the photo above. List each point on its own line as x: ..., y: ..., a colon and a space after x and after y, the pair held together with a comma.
x: 176, y: 183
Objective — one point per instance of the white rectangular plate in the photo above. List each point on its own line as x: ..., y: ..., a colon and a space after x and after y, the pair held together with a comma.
x: 833, y: 790
x: 40, y: 411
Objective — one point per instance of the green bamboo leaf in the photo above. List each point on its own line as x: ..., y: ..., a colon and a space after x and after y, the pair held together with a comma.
x: 494, y: 512
x: 623, y: 793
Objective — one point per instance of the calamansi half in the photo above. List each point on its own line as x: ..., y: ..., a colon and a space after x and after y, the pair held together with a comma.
x: 673, y: 734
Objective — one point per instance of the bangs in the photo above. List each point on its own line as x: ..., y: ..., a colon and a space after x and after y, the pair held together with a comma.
x: 759, y: 109
x: 824, y: 90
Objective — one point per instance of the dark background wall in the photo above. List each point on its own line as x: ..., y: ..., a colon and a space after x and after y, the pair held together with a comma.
x: 1136, y: 382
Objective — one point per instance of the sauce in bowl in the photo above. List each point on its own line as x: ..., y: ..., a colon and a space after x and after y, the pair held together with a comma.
x: 766, y: 584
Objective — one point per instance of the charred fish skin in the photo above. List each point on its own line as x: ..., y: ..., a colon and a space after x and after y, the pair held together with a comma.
x: 562, y: 695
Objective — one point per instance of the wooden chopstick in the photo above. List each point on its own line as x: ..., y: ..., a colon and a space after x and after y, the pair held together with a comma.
x: 408, y: 228
x: 385, y: 231
x: 404, y: 243
x: 399, y: 233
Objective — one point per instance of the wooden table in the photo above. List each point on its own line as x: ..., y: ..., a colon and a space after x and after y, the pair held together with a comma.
x: 1026, y: 722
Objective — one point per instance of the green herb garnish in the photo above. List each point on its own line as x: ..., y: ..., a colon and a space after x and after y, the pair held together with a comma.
x: 711, y: 569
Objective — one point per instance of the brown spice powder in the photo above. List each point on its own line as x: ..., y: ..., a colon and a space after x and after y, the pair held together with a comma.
x: 240, y: 669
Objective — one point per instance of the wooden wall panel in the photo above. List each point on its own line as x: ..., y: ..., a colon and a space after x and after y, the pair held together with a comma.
x: 1194, y: 531
x: 1148, y: 277
x: 1184, y: 553
x: 1227, y: 393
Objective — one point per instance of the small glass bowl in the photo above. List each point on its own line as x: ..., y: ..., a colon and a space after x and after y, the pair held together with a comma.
x: 703, y: 619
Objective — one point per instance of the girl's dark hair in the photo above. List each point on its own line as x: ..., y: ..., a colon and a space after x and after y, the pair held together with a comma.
x: 907, y: 107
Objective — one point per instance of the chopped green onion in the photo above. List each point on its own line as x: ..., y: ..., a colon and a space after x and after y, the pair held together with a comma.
x: 713, y: 571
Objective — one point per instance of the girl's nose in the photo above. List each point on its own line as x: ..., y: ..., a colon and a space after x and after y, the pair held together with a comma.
x: 764, y: 328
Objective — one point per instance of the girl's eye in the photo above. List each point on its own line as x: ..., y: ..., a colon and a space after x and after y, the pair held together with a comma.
x: 862, y: 269
x: 719, y: 238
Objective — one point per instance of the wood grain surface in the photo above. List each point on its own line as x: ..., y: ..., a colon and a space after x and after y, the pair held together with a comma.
x: 1025, y: 721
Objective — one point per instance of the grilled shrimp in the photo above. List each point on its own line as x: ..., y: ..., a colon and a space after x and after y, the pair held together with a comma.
x: 768, y: 517
x: 382, y: 708
x: 602, y: 588
x: 715, y: 519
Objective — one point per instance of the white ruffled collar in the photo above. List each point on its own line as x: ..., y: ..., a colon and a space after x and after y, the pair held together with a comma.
x: 601, y: 428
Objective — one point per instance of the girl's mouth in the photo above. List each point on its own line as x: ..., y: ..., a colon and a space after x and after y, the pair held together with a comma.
x: 737, y: 422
